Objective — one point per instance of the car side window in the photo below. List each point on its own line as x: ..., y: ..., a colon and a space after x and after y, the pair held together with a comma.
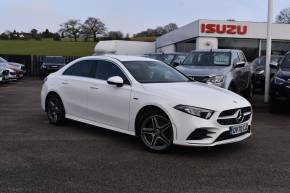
x: 107, y: 69
x: 85, y: 68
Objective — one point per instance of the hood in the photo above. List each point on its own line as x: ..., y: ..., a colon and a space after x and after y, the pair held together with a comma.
x: 203, y: 70
x: 284, y: 73
x: 198, y: 95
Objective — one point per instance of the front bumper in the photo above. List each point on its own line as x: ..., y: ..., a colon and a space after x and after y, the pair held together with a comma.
x: 218, y: 134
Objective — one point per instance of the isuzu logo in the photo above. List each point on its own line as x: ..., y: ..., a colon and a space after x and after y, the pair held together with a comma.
x: 224, y: 29
x: 239, y: 116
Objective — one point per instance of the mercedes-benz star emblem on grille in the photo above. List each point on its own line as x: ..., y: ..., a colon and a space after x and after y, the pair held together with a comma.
x: 239, y: 116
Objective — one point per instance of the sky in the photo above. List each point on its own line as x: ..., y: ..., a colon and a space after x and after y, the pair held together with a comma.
x: 128, y: 16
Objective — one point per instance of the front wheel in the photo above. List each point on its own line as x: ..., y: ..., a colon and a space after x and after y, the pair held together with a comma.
x: 156, y: 131
x: 55, y: 110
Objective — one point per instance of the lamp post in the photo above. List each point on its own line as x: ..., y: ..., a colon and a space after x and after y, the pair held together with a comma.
x: 268, y: 52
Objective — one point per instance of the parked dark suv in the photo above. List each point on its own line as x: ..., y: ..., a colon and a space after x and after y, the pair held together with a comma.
x: 51, y: 64
x: 227, y: 69
x: 258, y: 69
x: 280, y: 85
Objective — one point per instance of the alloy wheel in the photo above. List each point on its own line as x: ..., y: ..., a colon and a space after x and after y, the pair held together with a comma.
x: 156, y: 132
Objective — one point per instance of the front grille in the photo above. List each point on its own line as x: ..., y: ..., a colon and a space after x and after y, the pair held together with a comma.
x: 226, y: 135
x: 13, y: 73
x: 230, y: 117
x: 203, y: 79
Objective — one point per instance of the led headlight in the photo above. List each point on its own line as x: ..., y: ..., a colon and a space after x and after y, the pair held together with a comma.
x: 216, y: 79
x: 195, y: 111
x: 260, y: 71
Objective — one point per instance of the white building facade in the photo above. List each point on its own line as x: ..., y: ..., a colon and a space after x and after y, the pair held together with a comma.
x: 212, y: 34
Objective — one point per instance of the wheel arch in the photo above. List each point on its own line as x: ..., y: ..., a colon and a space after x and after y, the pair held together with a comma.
x: 147, y: 108
x: 51, y: 93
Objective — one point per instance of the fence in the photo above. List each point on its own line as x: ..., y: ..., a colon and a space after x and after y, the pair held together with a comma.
x: 32, y: 63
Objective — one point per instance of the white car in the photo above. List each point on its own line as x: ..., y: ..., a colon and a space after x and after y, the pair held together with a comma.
x: 147, y: 98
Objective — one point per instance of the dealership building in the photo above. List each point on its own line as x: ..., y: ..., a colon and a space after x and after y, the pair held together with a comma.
x: 212, y: 34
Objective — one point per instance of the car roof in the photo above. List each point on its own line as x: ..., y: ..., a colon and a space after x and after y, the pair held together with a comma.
x: 122, y: 58
x: 217, y: 50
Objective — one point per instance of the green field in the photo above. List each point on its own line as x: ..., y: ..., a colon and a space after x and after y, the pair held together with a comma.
x: 46, y: 47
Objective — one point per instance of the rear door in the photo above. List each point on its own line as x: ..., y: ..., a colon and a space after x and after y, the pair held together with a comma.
x: 74, y: 88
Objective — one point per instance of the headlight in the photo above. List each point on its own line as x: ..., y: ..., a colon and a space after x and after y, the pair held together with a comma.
x: 195, y: 111
x: 279, y: 80
x: 43, y: 66
x: 216, y: 79
x: 260, y: 71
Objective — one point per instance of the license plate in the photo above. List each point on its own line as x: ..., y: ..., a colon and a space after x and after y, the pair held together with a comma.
x: 235, y: 130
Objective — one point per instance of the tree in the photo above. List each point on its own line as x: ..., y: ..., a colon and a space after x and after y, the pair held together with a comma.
x: 170, y: 27
x: 284, y: 16
x: 4, y: 36
x: 56, y: 37
x: 71, y: 28
x: 115, y: 35
x: 47, y: 34
x: 34, y: 33
x: 93, y: 27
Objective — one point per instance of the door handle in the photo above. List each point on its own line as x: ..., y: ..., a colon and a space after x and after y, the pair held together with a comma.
x: 64, y: 82
x: 95, y: 88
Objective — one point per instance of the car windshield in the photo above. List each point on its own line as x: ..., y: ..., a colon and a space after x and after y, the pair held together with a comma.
x: 208, y: 59
x: 286, y: 62
x: 154, y: 72
x: 2, y: 60
x: 262, y: 60
x: 54, y: 60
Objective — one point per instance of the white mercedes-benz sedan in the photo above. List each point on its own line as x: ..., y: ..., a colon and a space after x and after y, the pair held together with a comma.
x: 146, y: 98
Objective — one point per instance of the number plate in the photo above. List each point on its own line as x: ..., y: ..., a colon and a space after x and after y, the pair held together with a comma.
x: 235, y: 130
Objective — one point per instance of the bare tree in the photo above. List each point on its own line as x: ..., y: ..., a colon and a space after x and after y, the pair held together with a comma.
x: 71, y: 28
x: 284, y: 16
x: 170, y: 27
x: 93, y: 27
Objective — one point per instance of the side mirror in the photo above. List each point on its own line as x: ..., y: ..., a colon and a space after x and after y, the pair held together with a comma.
x: 274, y: 65
x: 240, y: 64
x: 175, y: 64
x: 116, y: 80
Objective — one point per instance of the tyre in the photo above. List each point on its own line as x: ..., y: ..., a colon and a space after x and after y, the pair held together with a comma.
x: 274, y: 106
x: 55, y: 110
x: 249, y: 93
x: 155, y: 131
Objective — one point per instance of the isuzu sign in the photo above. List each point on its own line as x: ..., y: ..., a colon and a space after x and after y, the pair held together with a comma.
x: 224, y: 29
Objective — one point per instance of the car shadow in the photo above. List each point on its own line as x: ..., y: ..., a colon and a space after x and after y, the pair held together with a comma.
x: 133, y: 143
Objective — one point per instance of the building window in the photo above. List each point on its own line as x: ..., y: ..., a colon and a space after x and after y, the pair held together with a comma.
x: 249, y: 46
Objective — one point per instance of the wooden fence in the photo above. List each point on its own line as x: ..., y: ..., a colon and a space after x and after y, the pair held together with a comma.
x: 32, y: 63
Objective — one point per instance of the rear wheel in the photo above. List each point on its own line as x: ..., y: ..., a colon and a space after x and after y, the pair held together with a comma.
x: 55, y: 110
x: 155, y: 131
x: 274, y: 105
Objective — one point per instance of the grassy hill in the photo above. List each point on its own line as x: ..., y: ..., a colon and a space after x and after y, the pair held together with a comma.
x: 46, y: 47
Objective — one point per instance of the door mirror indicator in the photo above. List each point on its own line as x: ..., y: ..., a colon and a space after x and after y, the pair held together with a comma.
x: 116, y: 80
x: 240, y: 64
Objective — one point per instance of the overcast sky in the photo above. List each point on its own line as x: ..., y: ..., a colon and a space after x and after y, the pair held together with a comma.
x: 128, y: 16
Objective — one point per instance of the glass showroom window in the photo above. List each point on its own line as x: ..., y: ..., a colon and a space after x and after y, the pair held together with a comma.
x: 249, y: 46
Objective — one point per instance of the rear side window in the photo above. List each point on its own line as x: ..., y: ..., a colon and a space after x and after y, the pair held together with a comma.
x: 85, y: 68
x: 107, y: 69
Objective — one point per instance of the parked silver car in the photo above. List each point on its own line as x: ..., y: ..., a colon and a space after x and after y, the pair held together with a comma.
x: 228, y: 69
